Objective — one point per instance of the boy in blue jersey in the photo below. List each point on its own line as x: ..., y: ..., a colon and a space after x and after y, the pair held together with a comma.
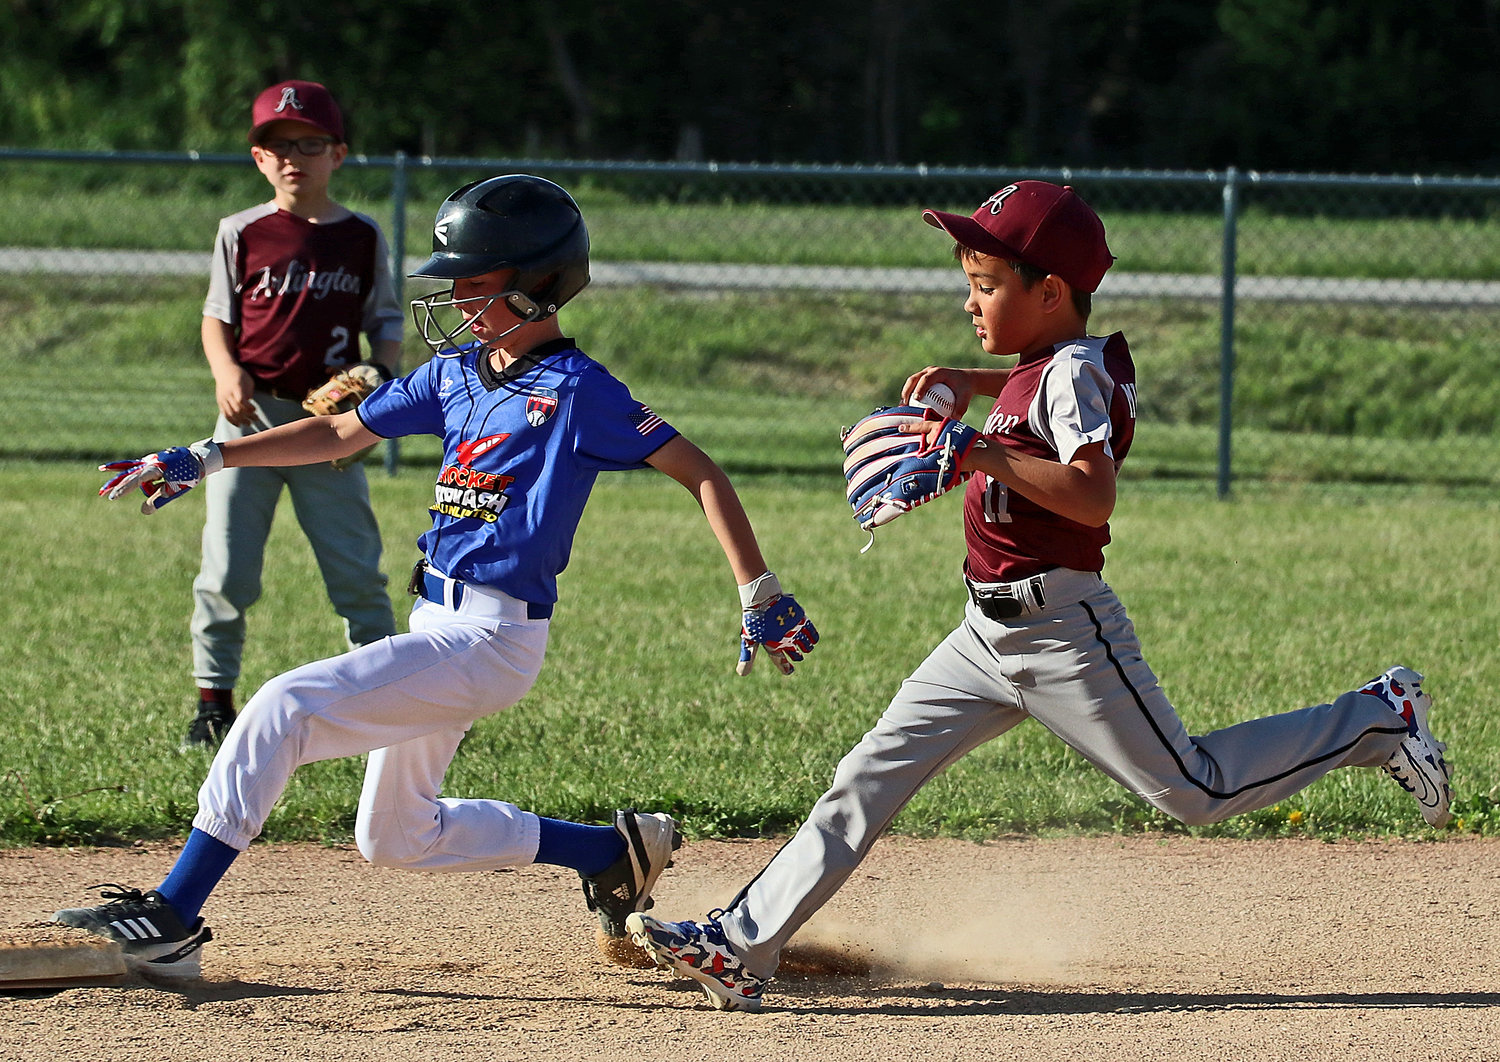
x: 527, y: 422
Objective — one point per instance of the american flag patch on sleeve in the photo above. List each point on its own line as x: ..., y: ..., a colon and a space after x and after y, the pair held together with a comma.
x: 646, y: 421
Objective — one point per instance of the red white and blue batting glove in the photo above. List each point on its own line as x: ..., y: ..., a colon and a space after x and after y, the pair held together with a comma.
x: 163, y: 476
x: 772, y: 620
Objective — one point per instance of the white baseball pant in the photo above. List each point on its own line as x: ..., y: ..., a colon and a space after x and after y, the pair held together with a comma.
x: 407, y: 700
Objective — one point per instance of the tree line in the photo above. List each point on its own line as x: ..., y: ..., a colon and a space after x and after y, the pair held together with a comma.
x: 1356, y: 86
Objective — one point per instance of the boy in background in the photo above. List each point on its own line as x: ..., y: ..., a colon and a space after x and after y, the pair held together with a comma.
x: 293, y: 284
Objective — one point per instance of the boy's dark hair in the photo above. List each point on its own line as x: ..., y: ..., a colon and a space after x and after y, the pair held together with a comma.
x: 1031, y: 276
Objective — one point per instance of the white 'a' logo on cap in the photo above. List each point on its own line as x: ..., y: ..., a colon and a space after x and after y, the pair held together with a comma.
x: 996, y: 201
x: 288, y: 99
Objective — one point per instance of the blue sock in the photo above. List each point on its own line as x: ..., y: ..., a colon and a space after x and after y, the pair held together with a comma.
x: 586, y: 849
x: 203, y: 862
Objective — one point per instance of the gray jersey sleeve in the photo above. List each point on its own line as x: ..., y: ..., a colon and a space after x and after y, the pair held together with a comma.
x: 1071, y: 406
x: 224, y: 278
x: 383, y: 316
x: 222, y: 282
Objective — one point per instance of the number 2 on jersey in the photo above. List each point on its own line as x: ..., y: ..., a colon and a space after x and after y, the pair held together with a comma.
x: 333, y: 357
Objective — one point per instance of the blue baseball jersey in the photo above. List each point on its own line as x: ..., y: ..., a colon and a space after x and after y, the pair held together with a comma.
x: 521, y: 450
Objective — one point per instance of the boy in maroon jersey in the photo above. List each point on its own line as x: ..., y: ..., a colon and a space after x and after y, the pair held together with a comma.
x: 293, y: 284
x: 1042, y: 635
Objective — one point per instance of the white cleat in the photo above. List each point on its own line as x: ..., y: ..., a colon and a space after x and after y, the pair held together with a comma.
x: 700, y: 951
x: 1417, y: 765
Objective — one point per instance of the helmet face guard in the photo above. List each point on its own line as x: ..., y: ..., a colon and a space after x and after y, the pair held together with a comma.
x: 514, y: 222
x: 442, y: 322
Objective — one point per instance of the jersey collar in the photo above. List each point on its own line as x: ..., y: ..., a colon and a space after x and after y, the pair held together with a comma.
x: 493, y: 379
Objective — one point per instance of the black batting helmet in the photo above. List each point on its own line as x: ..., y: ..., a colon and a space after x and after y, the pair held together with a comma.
x: 518, y: 222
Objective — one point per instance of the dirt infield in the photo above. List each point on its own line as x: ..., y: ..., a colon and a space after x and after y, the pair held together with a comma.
x: 1117, y: 949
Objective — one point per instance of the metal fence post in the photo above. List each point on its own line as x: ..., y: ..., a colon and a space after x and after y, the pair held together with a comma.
x: 398, y: 270
x: 1226, y: 328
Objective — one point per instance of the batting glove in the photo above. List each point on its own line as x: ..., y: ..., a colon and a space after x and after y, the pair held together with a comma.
x: 773, y: 620
x: 163, y: 476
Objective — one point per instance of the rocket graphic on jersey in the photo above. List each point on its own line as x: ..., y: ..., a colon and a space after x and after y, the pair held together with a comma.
x: 470, y: 451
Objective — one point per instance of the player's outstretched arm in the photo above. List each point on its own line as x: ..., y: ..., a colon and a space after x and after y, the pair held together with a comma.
x: 300, y: 442
x: 770, y: 618
x: 716, y: 496
x: 168, y: 474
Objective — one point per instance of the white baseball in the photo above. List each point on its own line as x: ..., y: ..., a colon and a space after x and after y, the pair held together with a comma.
x: 939, y: 397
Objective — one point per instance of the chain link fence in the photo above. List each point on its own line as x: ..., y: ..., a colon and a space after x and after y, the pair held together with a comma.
x: 1299, y: 328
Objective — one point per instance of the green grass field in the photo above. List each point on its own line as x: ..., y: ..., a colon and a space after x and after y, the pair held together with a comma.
x: 1362, y: 532
x: 1244, y: 608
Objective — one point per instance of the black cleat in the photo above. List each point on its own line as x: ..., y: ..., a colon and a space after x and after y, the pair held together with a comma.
x: 149, y: 932
x: 625, y: 886
x: 209, y: 726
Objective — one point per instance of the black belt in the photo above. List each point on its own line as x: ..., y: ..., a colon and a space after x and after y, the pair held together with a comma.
x: 426, y: 585
x: 276, y: 392
x: 1003, y: 601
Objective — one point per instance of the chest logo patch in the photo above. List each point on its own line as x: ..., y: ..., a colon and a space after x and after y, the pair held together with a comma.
x: 541, y: 403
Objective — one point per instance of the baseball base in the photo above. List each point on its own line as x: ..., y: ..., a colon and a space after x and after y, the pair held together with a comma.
x: 47, y: 955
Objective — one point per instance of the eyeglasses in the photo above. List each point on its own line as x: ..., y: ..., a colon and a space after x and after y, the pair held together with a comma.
x: 310, y: 146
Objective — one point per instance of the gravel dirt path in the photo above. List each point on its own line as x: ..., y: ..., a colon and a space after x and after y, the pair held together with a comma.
x: 1093, y: 948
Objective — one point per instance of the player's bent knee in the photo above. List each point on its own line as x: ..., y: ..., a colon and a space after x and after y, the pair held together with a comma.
x: 391, y: 848
x: 1189, y: 807
x: 391, y: 853
x: 281, y: 697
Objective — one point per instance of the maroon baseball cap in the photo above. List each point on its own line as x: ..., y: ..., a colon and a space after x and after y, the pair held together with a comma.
x: 1040, y: 224
x: 298, y: 101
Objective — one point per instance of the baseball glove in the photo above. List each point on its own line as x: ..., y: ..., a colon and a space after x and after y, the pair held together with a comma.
x: 890, y: 472
x: 346, y: 390
x: 342, y: 393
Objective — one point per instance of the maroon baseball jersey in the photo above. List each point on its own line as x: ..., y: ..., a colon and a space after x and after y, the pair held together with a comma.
x: 300, y: 294
x: 1054, y: 402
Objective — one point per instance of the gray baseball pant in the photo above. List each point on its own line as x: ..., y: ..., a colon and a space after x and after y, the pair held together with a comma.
x: 333, y: 509
x: 1076, y: 666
